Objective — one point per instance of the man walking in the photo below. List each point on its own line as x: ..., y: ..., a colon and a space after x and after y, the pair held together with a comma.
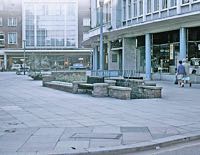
x: 181, y: 73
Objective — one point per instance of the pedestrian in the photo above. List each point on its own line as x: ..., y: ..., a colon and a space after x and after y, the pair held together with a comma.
x: 187, y: 69
x: 181, y: 73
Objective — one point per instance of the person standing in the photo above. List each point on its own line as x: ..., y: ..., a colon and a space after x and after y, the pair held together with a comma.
x: 181, y: 73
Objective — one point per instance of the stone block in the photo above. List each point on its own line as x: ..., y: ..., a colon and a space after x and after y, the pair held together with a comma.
x: 47, y: 78
x: 119, y: 92
x: 75, y: 86
x: 100, y: 89
x: 150, y: 91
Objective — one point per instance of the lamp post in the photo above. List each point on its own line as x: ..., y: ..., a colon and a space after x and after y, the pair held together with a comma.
x: 24, y: 43
x: 101, y: 3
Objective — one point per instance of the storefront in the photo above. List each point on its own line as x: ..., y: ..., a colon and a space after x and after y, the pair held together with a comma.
x: 52, y: 60
x: 165, y: 51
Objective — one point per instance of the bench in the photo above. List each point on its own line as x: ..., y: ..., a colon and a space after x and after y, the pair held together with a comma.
x: 149, y: 83
x: 86, y: 86
x: 150, y: 92
x: 118, y: 92
x: 63, y: 86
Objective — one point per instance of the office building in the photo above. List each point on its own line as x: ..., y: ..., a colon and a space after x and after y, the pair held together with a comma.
x: 51, y: 34
x: 146, y: 36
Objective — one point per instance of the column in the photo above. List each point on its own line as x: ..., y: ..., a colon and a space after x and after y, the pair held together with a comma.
x: 101, y: 40
x: 95, y: 58
x: 182, y: 43
x: 148, y: 55
x: 5, y: 61
x: 109, y: 53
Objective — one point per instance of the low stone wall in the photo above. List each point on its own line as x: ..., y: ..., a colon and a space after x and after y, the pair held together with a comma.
x: 63, y: 86
x: 69, y: 76
x: 118, y: 92
x: 150, y: 92
x: 133, y: 84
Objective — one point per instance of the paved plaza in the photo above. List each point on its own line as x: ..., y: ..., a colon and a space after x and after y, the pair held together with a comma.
x: 40, y: 120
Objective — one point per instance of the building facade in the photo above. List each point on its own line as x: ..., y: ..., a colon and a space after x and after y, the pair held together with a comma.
x: 146, y: 36
x: 10, y: 27
x: 51, y: 35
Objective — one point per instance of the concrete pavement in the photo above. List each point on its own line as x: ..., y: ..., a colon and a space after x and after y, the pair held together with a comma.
x: 39, y: 120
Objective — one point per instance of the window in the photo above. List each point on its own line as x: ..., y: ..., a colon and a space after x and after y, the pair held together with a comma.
x: 108, y: 12
x: 185, y: 1
x: 141, y: 7
x: 124, y: 9
x: 156, y: 5
x: 114, y: 57
x: 86, y: 21
x: 1, y: 21
x: 129, y: 9
x: 12, y: 38
x: 164, y: 4
x: 173, y: 3
x: 149, y: 6
x: 135, y: 8
x: 2, y: 39
x: 12, y: 21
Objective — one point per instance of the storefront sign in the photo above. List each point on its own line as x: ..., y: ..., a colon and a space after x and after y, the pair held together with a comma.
x: 171, y: 56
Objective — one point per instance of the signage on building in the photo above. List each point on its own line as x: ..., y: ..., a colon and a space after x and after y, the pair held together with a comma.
x: 199, y: 47
x: 171, y: 51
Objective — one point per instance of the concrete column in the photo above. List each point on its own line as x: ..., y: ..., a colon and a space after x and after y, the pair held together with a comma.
x: 129, y: 48
x: 109, y: 54
x: 148, y: 55
x: 182, y: 43
x: 5, y: 61
x: 95, y: 58
x: 101, y: 40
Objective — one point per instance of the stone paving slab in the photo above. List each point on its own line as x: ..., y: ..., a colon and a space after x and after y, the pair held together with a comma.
x: 34, y: 119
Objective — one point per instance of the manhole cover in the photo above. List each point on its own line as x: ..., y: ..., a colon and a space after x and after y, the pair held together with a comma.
x: 96, y: 136
x: 13, y: 123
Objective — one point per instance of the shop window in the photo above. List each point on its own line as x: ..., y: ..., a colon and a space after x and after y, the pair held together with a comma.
x: 114, y: 57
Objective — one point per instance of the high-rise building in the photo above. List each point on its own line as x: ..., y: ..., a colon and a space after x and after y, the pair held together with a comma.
x: 51, y: 34
x: 146, y: 36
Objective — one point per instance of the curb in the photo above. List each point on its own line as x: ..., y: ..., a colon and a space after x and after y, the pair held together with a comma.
x: 143, y: 146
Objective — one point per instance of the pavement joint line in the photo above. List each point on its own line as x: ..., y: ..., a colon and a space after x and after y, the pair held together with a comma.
x: 138, y: 147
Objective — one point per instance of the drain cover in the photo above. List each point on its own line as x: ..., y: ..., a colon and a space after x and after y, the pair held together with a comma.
x: 96, y: 135
x: 10, y: 131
